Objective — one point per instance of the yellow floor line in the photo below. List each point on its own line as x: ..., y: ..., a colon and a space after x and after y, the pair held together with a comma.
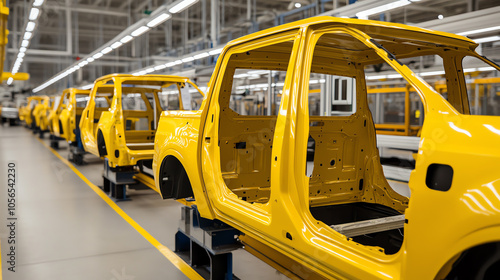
x: 171, y: 256
x: 0, y: 261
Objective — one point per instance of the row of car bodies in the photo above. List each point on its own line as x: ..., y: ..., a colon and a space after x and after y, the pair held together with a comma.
x: 251, y: 171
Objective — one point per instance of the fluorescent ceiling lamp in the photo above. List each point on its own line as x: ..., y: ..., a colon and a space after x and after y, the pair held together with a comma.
x: 34, y: 13
x: 383, y: 8
x: 149, y: 70
x: 467, y: 70
x: 200, y: 56
x: 394, y: 76
x: 181, y: 6
x: 21, y: 55
x: 214, y: 52
x: 298, y: 5
x: 10, y: 80
x: 258, y: 72
x: 87, y: 86
x: 159, y: 67
x: 432, y: 73
x: 83, y: 63
x: 25, y: 43
x: 139, y: 31
x: 159, y: 19
x: 106, y: 50
x: 90, y: 59
x: 177, y: 62
x: 170, y: 64
x: 188, y: 59
x: 22, y: 49
x: 487, y: 39
x: 30, y: 26
x: 142, y: 73
x: 482, y: 30
x: 97, y: 56
x: 116, y: 45
x: 38, y: 3
x: 126, y: 39
x: 489, y: 68
x: 27, y: 35
x: 377, y: 77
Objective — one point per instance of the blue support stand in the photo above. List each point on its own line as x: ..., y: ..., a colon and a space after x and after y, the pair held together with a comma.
x: 115, y: 180
x: 207, y: 244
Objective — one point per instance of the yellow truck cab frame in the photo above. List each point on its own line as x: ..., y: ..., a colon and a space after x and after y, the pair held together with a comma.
x: 113, y: 132
x: 250, y: 171
x: 28, y: 112
x: 42, y: 114
x: 67, y: 115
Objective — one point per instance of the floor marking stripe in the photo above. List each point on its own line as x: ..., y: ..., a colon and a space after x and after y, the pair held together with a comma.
x: 1, y: 261
x: 171, y: 256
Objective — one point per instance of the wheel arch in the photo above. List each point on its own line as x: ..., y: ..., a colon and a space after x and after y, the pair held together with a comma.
x: 474, y: 252
x: 173, y: 179
x: 101, y: 144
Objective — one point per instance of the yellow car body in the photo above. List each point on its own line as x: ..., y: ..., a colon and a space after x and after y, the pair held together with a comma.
x: 250, y: 171
x: 41, y: 113
x: 124, y: 135
x: 66, y: 117
x: 28, y: 112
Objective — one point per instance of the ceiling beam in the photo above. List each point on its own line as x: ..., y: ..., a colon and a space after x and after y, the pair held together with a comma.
x: 88, y: 9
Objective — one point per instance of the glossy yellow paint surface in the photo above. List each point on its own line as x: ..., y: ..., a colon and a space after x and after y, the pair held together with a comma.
x: 42, y: 113
x: 111, y: 122
x: 65, y: 115
x: 28, y: 112
x: 441, y: 224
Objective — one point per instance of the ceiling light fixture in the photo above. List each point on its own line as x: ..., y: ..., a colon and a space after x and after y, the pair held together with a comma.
x: 38, y: 3
x: 201, y: 55
x: 30, y: 26
x: 107, y: 50
x: 116, y: 45
x: 34, y: 13
x: 159, y: 19
x: 487, y: 39
x: 139, y: 31
x: 179, y: 6
x: 27, y: 35
x: 482, y: 30
x: 383, y: 8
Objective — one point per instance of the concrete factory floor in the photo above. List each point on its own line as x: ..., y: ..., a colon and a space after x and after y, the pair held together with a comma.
x: 64, y: 230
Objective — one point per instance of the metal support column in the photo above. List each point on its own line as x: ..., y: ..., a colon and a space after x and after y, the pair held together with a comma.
x: 214, y: 22
x: 328, y: 95
x: 322, y: 96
